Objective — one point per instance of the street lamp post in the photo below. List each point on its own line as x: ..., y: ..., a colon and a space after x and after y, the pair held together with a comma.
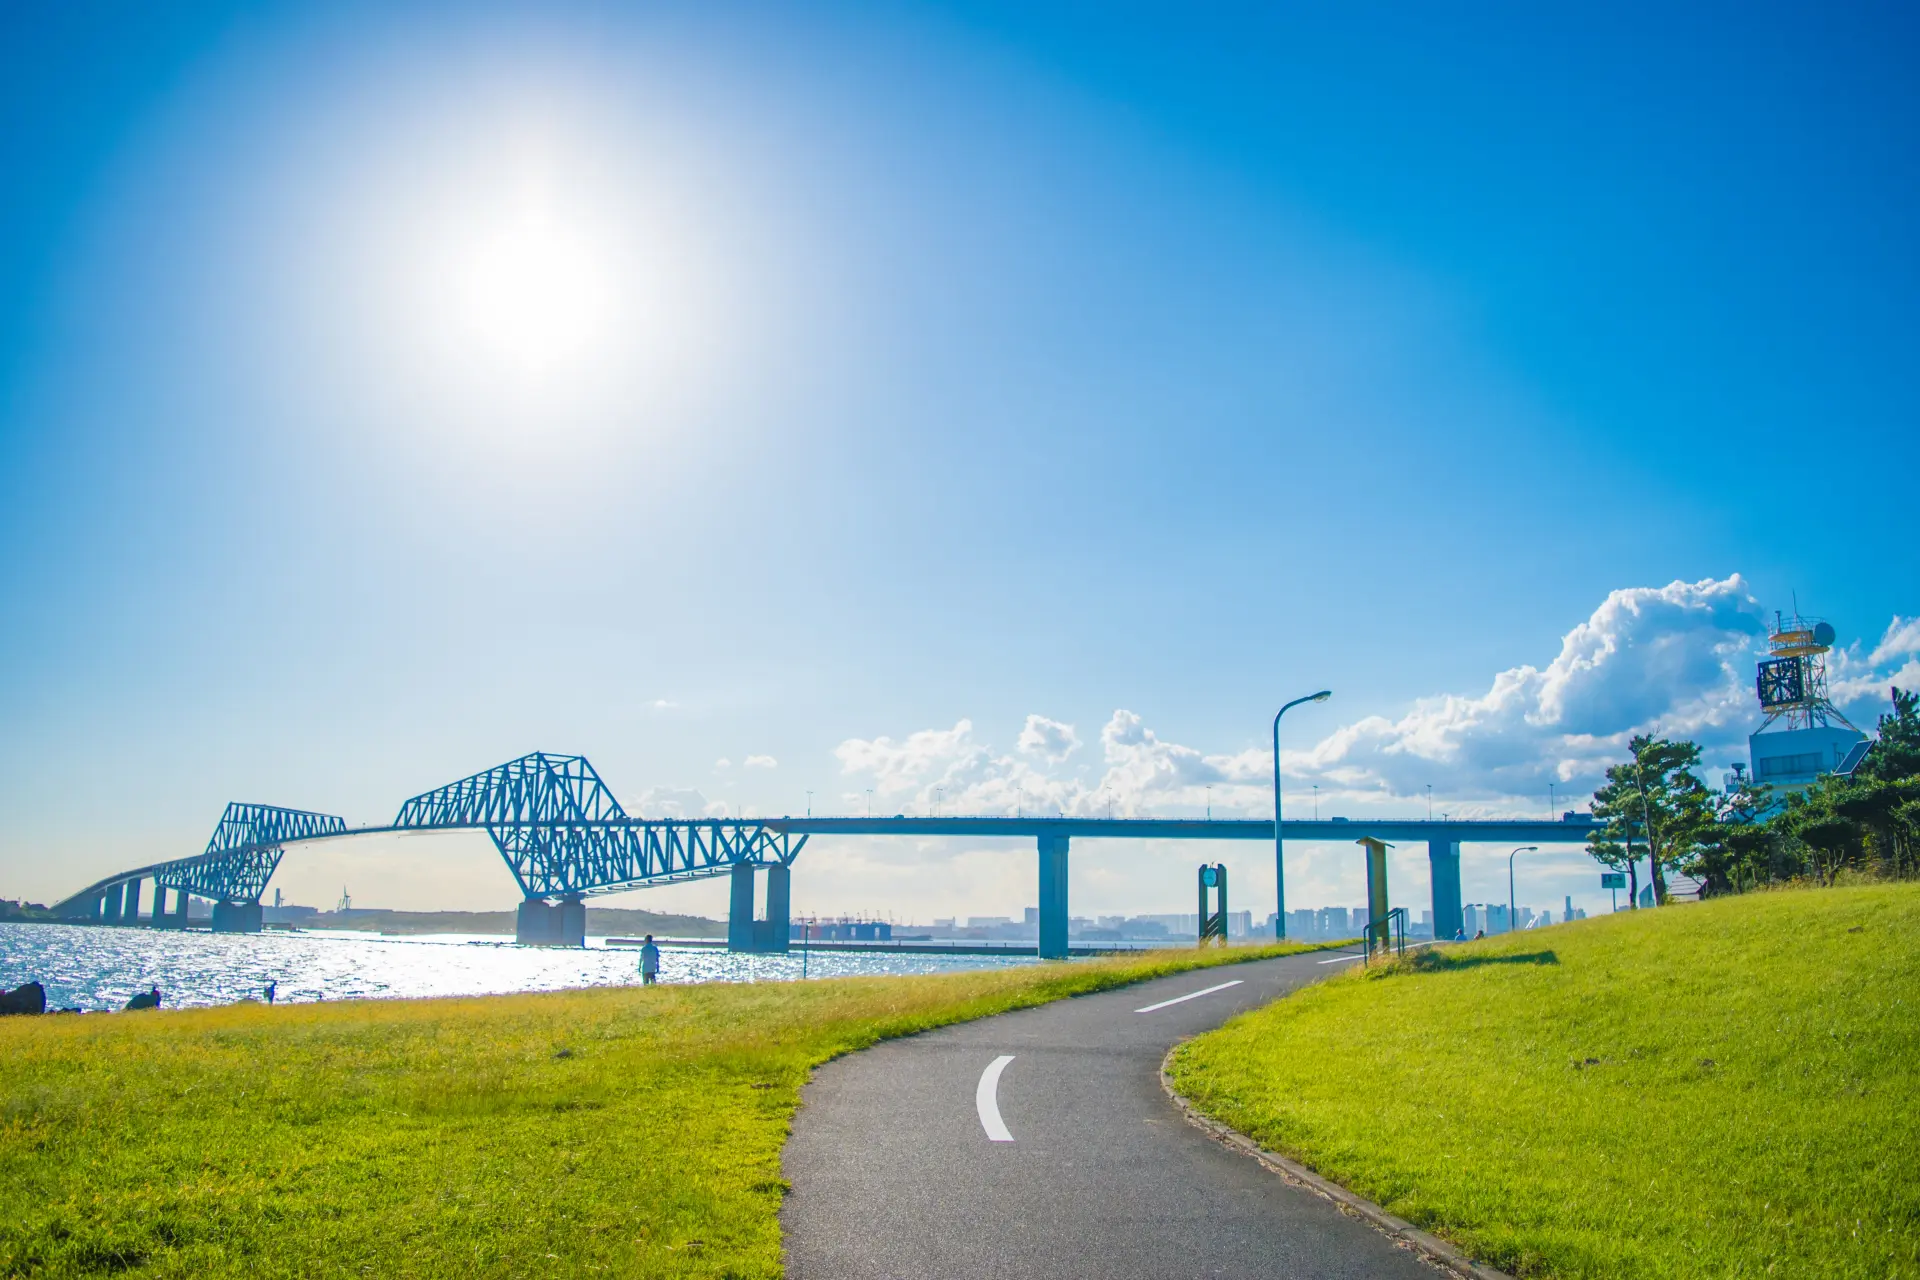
x: 1513, y: 919
x: 1279, y: 845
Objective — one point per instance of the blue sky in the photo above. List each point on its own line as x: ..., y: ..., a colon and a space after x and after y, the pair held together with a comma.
x: 389, y: 390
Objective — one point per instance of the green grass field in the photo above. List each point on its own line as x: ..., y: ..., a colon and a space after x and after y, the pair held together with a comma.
x: 1723, y: 1089
x: 627, y: 1131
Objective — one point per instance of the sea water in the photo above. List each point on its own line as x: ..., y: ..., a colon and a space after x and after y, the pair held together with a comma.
x: 101, y: 966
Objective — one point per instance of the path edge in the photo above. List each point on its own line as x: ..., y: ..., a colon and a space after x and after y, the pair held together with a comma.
x: 1425, y: 1243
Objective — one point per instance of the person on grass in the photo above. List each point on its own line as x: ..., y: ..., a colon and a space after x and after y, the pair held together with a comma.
x: 649, y: 962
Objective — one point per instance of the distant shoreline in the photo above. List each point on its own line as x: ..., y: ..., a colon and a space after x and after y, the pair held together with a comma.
x: 601, y: 922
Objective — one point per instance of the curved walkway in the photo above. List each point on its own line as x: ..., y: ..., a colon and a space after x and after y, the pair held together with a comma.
x: 1039, y: 1144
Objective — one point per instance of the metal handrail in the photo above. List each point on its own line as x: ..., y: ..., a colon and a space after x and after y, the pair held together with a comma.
x: 1390, y: 929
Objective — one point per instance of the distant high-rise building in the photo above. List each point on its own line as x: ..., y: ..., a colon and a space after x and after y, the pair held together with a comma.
x: 1301, y: 925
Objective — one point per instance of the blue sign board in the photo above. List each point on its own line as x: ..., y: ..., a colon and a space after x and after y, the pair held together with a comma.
x: 1613, y: 879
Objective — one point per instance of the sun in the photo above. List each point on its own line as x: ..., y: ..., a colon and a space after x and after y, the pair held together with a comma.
x: 531, y: 290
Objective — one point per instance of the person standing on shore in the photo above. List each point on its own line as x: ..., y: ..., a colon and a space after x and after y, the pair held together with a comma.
x: 649, y: 962
x: 271, y: 988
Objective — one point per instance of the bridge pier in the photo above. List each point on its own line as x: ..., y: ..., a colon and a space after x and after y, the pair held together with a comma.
x: 236, y: 917
x: 540, y: 923
x: 110, y: 904
x: 1443, y: 861
x: 746, y: 934
x: 1053, y: 897
x: 774, y: 933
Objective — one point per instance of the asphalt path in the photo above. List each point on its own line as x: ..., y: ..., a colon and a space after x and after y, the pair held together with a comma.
x: 1040, y: 1144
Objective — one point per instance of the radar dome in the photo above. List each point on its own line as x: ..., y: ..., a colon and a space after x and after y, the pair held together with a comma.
x: 1823, y: 633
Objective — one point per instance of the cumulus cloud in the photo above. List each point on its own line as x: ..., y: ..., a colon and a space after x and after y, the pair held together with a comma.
x: 971, y: 776
x: 1048, y: 739
x: 674, y: 802
x: 761, y: 762
x: 1859, y: 683
x: 1674, y: 660
x: 723, y: 763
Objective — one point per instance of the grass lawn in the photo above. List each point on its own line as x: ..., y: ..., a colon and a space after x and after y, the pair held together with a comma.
x: 1723, y: 1089
x: 631, y: 1131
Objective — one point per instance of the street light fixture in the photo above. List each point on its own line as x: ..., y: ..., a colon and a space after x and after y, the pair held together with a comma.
x: 1279, y: 849
x: 1513, y: 917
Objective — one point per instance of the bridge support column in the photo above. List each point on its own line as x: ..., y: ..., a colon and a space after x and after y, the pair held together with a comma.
x: 740, y: 908
x: 130, y: 909
x: 1053, y: 897
x: 773, y: 933
x: 180, y: 910
x: 236, y: 917
x: 110, y: 911
x: 540, y: 923
x: 1443, y: 861
x: 573, y: 922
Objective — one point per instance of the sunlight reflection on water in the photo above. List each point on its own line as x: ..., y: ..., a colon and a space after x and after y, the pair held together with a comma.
x: 99, y: 967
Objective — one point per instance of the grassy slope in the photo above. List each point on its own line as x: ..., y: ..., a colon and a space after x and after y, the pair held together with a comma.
x: 1754, y: 1110
x: 630, y: 1131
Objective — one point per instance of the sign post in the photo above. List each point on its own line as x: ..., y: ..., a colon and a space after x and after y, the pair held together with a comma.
x: 1616, y: 881
x: 1213, y: 889
x: 1377, y: 907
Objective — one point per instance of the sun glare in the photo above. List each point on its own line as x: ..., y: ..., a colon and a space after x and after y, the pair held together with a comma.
x: 533, y: 273
x: 533, y: 292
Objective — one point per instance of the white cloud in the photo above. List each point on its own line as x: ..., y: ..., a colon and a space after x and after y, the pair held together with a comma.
x: 761, y: 762
x: 723, y: 763
x: 1048, y: 739
x: 673, y: 802
x: 1675, y: 660
x: 1860, y: 684
x: 1901, y: 641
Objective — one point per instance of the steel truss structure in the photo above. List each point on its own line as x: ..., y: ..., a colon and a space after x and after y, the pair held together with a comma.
x: 563, y: 835
x: 244, y: 851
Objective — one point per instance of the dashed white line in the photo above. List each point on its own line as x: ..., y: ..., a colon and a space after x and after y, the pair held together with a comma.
x: 987, y: 1105
x: 1191, y: 995
x: 1338, y: 959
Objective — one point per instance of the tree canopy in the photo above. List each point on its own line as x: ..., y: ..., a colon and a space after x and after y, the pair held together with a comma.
x: 1653, y: 806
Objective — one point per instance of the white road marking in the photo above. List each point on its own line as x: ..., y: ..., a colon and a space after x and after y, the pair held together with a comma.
x: 985, y: 1103
x: 1191, y: 995
x: 1338, y: 959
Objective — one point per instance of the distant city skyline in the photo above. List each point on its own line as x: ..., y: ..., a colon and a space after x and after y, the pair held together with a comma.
x: 972, y: 406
